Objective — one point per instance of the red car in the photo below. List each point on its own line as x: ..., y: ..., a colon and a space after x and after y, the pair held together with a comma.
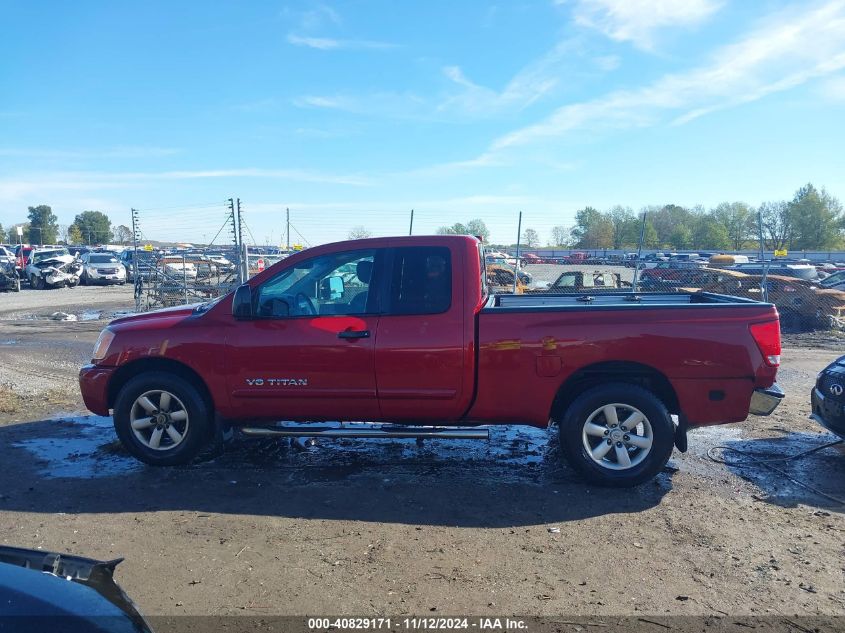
x: 22, y: 254
x: 403, y: 331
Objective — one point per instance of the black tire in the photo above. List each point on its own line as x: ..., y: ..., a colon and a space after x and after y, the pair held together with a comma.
x: 37, y: 282
x: 195, y: 433
x: 627, y: 396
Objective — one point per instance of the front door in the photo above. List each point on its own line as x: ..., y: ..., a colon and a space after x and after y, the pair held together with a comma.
x: 308, y: 353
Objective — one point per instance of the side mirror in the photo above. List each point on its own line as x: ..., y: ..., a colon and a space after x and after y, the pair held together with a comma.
x: 331, y: 288
x: 242, y: 302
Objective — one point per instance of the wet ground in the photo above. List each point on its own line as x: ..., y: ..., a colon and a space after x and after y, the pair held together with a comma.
x: 443, y: 527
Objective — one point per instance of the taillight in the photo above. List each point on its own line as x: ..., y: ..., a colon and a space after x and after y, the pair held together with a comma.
x: 767, y: 337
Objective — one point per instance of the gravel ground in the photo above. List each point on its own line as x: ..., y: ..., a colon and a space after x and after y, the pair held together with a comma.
x: 385, y: 528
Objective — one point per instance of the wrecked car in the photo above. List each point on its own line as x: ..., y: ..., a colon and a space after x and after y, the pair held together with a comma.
x: 53, y: 268
x: 9, y: 280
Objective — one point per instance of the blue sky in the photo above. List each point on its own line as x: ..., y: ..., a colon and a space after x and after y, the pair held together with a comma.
x: 352, y: 113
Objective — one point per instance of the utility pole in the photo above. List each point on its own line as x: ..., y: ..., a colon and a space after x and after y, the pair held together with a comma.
x: 516, y: 263
x: 411, y: 230
x: 287, y: 241
x: 639, y: 254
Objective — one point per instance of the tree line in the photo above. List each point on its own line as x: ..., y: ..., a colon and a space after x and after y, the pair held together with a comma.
x: 812, y: 220
x: 89, y: 227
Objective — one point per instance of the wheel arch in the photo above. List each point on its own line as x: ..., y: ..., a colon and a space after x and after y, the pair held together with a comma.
x: 602, y: 373
x: 143, y: 365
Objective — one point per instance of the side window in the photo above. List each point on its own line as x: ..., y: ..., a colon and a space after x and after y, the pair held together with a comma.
x: 334, y: 284
x: 420, y: 281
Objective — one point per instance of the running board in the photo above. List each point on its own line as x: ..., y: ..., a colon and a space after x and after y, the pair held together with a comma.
x: 372, y: 432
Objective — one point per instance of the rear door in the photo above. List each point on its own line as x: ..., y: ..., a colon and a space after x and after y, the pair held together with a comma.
x: 425, y: 348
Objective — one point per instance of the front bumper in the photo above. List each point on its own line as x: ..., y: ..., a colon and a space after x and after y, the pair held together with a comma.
x: 764, y: 401
x: 828, y: 413
x: 94, y: 385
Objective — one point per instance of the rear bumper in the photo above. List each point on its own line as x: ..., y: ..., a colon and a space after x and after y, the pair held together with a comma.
x: 764, y: 401
x: 94, y: 385
x: 830, y: 414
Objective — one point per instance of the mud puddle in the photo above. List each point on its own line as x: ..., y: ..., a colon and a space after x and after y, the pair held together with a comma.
x: 84, y: 447
x: 785, y: 467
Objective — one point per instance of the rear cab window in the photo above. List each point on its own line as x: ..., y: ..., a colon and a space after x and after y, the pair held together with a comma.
x: 420, y: 281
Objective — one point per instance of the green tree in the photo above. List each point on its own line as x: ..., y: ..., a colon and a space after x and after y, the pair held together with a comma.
x: 456, y: 229
x: 681, y: 237
x: 560, y: 236
x: 474, y: 227
x: 709, y: 233
x: 74, y: 235
x: 530, y: 238
x: 624, y: 223
x: 738, y: 220
x: 478, y: 228
x: 123, y: 234
x: 666, y: 218
x: 43, y: 225
x: 817, y: 219
x: 2, y: 234
x: 777, y: 224
x: 593, y: 229
x: 94, y: 226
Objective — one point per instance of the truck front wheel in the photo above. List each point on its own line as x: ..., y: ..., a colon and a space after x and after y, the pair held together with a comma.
x: 617, y: 435
x: 161, y: 419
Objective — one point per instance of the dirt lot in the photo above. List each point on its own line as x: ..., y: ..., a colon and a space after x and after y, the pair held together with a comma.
x: 393, y: 528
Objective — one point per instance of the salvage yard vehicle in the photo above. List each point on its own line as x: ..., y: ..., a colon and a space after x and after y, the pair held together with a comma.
x: 52, y: 268
x: 138, y: 264
x: 500, y: 277
x: 9, y: 279
x: 99, y: 267
x: 585, y: 281
x: 425, y: 349
x: 828, y: 397
x: 802, y: 305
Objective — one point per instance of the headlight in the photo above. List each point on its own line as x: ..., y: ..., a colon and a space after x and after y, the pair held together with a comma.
x: 101, y: 347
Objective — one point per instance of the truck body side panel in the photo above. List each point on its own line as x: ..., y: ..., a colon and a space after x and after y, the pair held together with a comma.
x: 525, y: 357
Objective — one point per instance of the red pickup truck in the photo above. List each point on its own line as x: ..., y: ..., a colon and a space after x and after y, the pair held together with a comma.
x: 403, y: 331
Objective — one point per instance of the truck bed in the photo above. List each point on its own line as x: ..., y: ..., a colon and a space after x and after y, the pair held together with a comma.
x: 615, y: 300
x: 698, y: 343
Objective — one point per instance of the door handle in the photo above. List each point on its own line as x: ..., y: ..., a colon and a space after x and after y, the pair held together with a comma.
x: 354, y: 334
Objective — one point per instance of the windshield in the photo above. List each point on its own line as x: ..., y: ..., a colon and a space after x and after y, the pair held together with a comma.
x: 39, y: 256
x: 103, y: 259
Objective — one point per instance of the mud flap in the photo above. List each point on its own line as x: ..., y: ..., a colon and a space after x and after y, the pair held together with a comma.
x: 681, y: 434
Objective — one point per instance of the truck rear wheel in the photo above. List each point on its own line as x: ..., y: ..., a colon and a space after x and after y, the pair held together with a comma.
x: 161, y: 419
x: 617, y: 435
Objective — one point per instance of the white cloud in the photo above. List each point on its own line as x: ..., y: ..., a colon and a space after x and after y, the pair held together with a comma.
x: 787, y: 51
x: 112, y: 152
x: 328, y: 44
x: 834, y: 88
x: 13, y: 189
x: 637, y: 21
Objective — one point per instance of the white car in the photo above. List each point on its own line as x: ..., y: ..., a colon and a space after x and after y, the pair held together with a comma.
x: 99, y: 267
x: 178, y: 270
x: 52, y: 268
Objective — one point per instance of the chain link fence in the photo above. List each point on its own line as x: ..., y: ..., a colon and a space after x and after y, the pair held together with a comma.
x: 809, y: 294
